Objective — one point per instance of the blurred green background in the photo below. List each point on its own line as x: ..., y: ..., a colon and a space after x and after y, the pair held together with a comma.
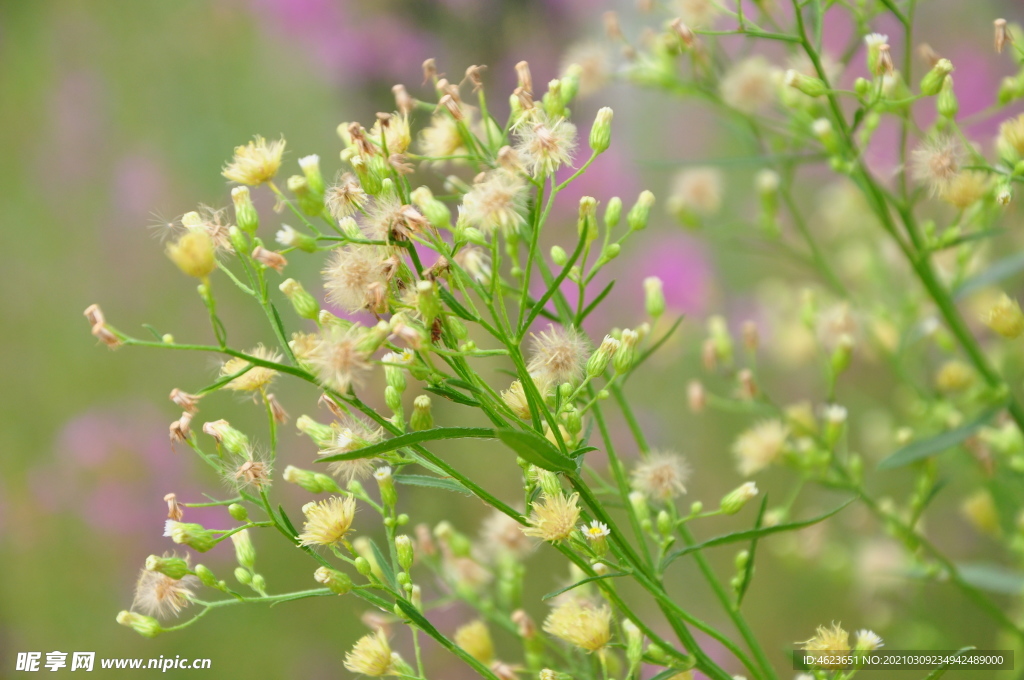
x: 117, y: 116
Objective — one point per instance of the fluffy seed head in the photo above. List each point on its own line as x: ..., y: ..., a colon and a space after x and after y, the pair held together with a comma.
x: 162, y: 596
x: 936, y: 163
x: 544, y: 146
x: 580, y: 623
x: 559, y: 355
x: 351, y: 433
x: 356, y: 278
x: 337, y: 359
x: 495, y: 203
x: 345, y: 197
x: 257, y: 377
x: 750, y: 85
x: 698, y: 191
x: 696, y: 13
x: 663, y: 475
x: 760, y: 446
x: 502, y: 535
x: 371, y: 655
x: 327, y: 521
x: 554, y: 517
x: 391, y: 220
x: 256, y: 162
x: 441, y: 139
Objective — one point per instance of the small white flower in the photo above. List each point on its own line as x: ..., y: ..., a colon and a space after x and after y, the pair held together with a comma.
x: 596, y: 530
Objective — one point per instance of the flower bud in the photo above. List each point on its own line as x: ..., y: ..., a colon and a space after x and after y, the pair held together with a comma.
x: 310, y: 202
x: 313, y: 482
x: 932, y: 81
x: 947, y: 104
x: 664, y: 523
x: 393, y: 399
x: 436, y: 212
x: 245, y: 551
x: 1005, y: 318
x: 305, y: 305
x: 587, y: 220
x: 634, y: 643
x: 640, y: 212
x: 206, y: 576
x: 193, y: 254
x: 421, y: 419
x: 337, y: 581
x: 311, y: 169
x: 601, y: 131
x: 625, y: 355
x: 843, y: 354
x: 231, y: 439
x: 428, y: 302
x: 696, y: 397
x: 171, y: 566
x: 598, y: 361
x: 238, y: 512
x: 641, y: 509
x: 403, y: 546
x: 826, y: 134
x: 654, y: 297
x: 613, y: 212
x: 559, y: 256
x: 192, y: 535
x: 386, y: 483
x: 321, y: 434
x: 246, y: 217
x: 243, y: 576
x: 146, y: 626
x: 363, y: 566
x: 734, y: 501
x: 812, y: 87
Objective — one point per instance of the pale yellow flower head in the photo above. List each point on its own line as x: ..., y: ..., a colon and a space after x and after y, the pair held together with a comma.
x: 257, y: 377
x: 580, y: 623
x: 554, y: 517
x: 256, y: 162
x: 476, y: 640
x: 193, y: 253
x: 371, y: 655
x: 327, y: 521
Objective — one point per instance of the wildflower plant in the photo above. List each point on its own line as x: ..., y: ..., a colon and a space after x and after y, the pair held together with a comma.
x: 431, y: 233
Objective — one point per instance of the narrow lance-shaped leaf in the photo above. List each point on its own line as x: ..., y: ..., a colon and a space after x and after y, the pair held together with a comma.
x: 411, y: 438
x: 925, y: 448
x: 750, y: 534
x: 531, y: 447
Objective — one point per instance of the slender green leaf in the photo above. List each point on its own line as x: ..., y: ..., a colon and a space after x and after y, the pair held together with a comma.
x: 924, y: 448
x: 456, y: 306
x: 582, y: 450
x: 153, y: 332
x: 534, y: 448
x: 669, y: 673
x: 432, y: 482
x: 287, y: 523
x: 941, y: 670
x: 385, y: 566
x: 411, y: 438
x: 994, y: 578
x: 452, y: 395
x: 749, y: 534
x: 748, y: 572
x: 589, y: 579
x: 592, y: 305
x: 427, y: 627
x: 996, y: 272
x: 538, y: 307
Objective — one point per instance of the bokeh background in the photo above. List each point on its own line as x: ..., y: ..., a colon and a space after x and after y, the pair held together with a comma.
x: 116, y: 117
